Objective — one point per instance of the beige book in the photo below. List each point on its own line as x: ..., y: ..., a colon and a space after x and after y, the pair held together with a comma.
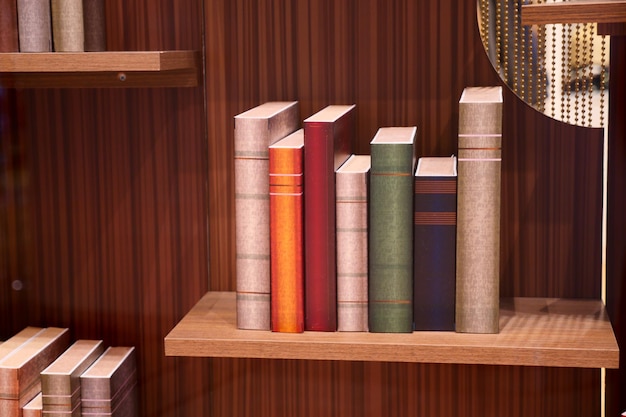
x: 60, y: 382
x: 107, y: 384
x: 478, y: 211
x: 20, y: 370
x: 68, y: 33
x: 17, y: 340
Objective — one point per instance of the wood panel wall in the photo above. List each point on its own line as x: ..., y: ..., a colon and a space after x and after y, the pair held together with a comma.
x: 119, y: 204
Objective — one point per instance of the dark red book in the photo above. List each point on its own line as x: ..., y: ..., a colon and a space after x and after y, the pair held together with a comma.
x: 434, y: 244
x: 328, y: 139
x: 8, y: 26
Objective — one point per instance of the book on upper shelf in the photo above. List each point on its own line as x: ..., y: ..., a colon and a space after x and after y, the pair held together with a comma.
x: 20, y: 369
x: 391, y: 230
x: 255, y: 130
x: 60, y: 381
x: 94, y: 25
x: 34, y: 408
x: 34, y: 25
x: 68, y: 31
x: 109, y: 386
x: 434, y: 237
x: 328, y: 141
x: 8, y: 26
x: 286, y: 233
x: 478, y: 210
x: 352, y: 184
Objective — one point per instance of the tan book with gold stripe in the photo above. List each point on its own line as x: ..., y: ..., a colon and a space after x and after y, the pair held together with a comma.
x: 478, y: 205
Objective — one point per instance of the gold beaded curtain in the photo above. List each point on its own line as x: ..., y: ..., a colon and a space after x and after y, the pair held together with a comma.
x: 560, y: 69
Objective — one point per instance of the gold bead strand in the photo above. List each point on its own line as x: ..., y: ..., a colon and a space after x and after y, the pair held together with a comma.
x: 577, y: 79
x: 505, y: 61
x: 567, y: 88
x: 602, y: 78
x: 516, y: 50
x: 590, y: 77
x: 553, y: 79
x: 498, y: 37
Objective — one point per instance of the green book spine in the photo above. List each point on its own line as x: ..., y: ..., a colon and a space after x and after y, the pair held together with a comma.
x: 391, y: 230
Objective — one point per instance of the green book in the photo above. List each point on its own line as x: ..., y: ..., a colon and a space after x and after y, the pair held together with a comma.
x: 393, y: 160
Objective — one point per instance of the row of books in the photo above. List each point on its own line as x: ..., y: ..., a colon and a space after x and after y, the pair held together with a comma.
x: 52, y: 25
x: 42, y: 375
x: 328, y: 240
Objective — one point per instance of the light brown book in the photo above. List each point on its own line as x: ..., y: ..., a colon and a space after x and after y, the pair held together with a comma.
x: 60, y: 382
x: 68, y: 32
x: 107, y: 385
x: 33, y: 408
x: 34, y: 25
x: 18, y: 340
x: 351, y: 182
x: 255, y: 130
x: 478, y: 211
x: 20, y: 370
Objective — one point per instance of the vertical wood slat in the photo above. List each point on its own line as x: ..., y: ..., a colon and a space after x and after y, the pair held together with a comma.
x: 403, y: 63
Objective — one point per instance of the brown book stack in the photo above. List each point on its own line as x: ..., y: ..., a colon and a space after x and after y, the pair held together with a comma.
x: 109, y: 386
x: 60, y: 382
x: 20, y: 369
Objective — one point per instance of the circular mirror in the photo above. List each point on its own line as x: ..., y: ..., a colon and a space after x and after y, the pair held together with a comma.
x: 561, y: 70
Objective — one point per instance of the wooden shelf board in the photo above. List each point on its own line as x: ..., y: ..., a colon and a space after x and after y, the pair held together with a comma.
x: 100, y: 69
x: 533, y: 332
x: 574, y: 11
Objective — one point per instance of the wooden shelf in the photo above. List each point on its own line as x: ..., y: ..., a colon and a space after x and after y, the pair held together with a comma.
x: 533, y: 331
x: 574, y: 11
x: 100, y: 69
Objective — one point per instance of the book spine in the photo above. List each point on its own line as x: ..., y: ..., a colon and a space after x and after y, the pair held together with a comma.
x: 94, y: 25
x: 326, y: 147
x: 434, y: 257
x: 252, y: 218
x: 352, y: 263
x: 478, y: 221
x: 34, y: 25
x: 391, y: 239
x: 286, y: 237
x: 34, y: 407
x: 8, y: 26
x: 67, y: 25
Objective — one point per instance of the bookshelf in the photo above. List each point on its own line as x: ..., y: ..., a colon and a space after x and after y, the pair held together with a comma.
x: 100, y: 69
x: 550, y: 332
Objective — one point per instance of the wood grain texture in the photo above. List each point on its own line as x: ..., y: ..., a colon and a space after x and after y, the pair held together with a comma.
x: 533, y: 332
x: 574, y: 11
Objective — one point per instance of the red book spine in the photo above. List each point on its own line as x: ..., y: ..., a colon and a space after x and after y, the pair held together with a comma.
x: 286, y: 234
x: 328, y: 137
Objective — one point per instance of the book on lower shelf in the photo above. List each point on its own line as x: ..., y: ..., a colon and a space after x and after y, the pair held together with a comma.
x: 391, y: 230
x: 20, y: 369
x: 286, y: 233
x: 434, y: 243
x: 352, y: 184
x: 8, y: 26
x: 109, y: 386
x: 328, y: 141
x: 34, y: 408
x: 255, y: 130
x: 478, y: 221
x: 60, y: 382
x: 34, y: 25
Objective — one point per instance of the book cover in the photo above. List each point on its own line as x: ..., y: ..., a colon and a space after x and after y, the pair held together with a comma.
x: 34, y: 25
x: 20, y: 370
x: 478, y: 210
x: 108, y: 386
x: 352, y: 185
x: 60, y: 381
x: 391, y: 230
x: 34, y: 407
x: 286, y: 233
x: 8, y: 26
x: 94, y: 25
x: 434, y: 243
x: 255, y: 130
x: 68, y: 32
x: 18, y: 340
x: 328, y: 141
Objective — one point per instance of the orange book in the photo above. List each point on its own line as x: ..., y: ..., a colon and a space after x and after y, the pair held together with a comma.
x: 286, y: 233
